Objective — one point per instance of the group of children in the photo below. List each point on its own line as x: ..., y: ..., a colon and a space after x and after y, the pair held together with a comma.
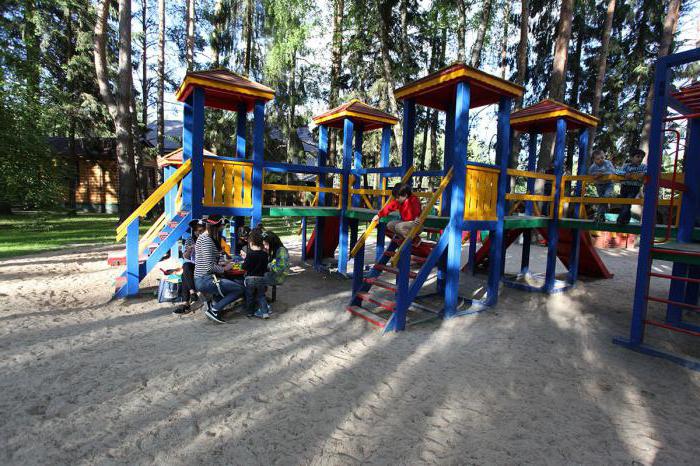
x: 207, y: 268
x: 633, y: 170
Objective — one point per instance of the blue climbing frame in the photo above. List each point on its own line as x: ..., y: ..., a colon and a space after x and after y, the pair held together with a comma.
x: 684, y: 253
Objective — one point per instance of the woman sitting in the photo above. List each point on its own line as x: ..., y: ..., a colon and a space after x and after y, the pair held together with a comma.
x: 278, y: 268
x: 207, y: 271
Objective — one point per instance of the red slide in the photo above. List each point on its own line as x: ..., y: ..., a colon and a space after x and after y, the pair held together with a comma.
x: 590, y: 263
x: 331, y: 227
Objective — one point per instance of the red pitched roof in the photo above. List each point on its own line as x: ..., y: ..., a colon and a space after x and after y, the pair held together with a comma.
x: 437, y: 90
x: 542, y: 117
x: 174, y: 158
x: 689, y: 96
x: 370, y: 117
x: 224, y: 89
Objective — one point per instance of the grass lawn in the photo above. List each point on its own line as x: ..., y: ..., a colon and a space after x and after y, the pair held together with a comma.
x: 33, y: 232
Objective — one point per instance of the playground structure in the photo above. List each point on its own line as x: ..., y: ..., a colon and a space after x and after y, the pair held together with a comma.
x: 470, y: 197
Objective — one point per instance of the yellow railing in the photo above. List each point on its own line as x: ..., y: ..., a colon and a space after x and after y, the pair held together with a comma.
x: 423, y: 216
x: 481, y: 197
x: 584, y: 200
x: 228, y: 183
x: 152, y: 232
x: 525, y: 197
x: 155, y: 197
x: 373, y: 224
x: 305, y: 189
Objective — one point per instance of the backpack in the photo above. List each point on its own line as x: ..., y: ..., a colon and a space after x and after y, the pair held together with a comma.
x: 169, y: 289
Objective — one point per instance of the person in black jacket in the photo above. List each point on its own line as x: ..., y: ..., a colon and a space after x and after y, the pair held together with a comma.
x: 255, y: 266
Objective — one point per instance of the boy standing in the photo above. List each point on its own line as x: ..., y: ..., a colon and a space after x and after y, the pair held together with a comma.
x: 408, y: 206
x: 600, y: 168
x: 633, y: 171
x: 255, y: 266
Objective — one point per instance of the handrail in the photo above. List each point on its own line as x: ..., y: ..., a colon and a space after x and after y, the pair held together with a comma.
x: 423, y: 217
x: 155, y: 197
x: 373, y: 224
x: 152, y: 233
x: 529, y: 174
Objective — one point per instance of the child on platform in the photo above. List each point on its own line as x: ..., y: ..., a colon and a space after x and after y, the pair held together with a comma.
x: 600, y: 168
x: 255, y: 266
x: 633, y: 170
x: 408, y: 206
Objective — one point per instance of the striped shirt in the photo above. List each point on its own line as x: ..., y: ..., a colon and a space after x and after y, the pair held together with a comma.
x: 207, y: 257
x: 629, y: 169
x: 606, y: 168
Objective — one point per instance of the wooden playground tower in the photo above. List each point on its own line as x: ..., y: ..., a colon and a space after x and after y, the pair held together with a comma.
x: 471, y: 196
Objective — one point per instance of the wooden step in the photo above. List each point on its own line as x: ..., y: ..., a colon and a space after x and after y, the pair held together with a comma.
x: 394, y: 270
x: 173, y: 224
x: 386, y: 304
x: 381, y: 284
x: 368, y: 316
x: 163, y: 234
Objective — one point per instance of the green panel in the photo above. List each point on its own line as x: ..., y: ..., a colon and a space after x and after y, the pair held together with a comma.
x: 281, y: 211
x: 515, y: 222
x: 367, y: 215
x: 635, y: 229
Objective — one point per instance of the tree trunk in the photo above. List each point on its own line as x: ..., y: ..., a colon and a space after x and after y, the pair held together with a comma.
x: 32, y: 49
x: 189, y: 42
x: 461, y: 30
x: 557, y: 81
x: 161, y: 77
x: 384, y: 11
x: 475, y: 60
x: 670, y: 24
x: 119, y: 109
x: 602, y: 65
x: 336, y: 64
x: 575, y: 89
x: 404, y: 32
x: 504, y: 40
x: 291, y: 85
x: 247, y: 56
x: 521, y: 73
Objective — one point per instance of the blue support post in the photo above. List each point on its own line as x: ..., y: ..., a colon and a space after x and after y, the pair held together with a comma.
x: 447, y: 193
x: 258, y: 160
x: 343, y: 250
x: 384, y: 162
x: 472, y: 250
x: 459, y: 178
x: 497, y: 244
x: 303, y: 239
x: 553, y: 230
x: 321, y: 162
x: 241, y: 116
x: 529, y: 205
x: 357, y: 165
x: 403, y: 300
x: 193, y: 148
x: 639, y: 309
x: 575, y: 232
x: 170, y: 199
x: 132, y: 258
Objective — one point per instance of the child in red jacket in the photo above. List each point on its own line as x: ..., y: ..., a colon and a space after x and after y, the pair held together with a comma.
x: 408, y: 206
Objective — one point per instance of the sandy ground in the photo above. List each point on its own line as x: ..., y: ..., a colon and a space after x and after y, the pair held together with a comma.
x: 536, y: 380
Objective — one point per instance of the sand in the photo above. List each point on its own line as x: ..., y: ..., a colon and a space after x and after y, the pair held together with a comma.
x: 537, y: 380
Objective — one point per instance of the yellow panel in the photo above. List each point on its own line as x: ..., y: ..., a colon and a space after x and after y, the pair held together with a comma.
x: 238, y: 186
x: 228, y: 185
x: 248, y: 186
x: 207, y: 183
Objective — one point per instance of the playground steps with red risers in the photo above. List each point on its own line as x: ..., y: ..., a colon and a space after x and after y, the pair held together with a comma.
x: 376, y: 301
x: 172, y: 231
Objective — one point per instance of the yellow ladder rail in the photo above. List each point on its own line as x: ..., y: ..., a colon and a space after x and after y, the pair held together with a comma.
x: 423, y: 217
x: 152, y: 233
x: 373, y: 224
x: 155, y: 197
